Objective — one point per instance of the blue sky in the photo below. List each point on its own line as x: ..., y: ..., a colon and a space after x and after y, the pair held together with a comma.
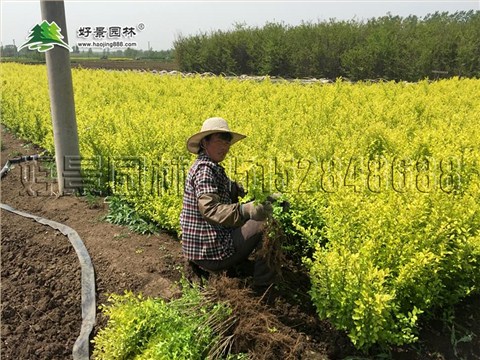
x: 165, y: 20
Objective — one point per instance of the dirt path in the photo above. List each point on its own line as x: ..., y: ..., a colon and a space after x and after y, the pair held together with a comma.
x: 40, y: 278
x: 41, y: 313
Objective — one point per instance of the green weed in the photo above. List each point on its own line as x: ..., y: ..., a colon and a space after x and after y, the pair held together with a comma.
x: 120, y: 212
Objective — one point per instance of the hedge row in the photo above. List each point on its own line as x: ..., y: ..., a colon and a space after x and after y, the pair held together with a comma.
x: 389, y: 47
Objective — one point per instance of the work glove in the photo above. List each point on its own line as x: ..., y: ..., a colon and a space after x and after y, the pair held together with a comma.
x: 277, y: 198
x: 237, y: 191
x: 257, y: 212
x: 274, y: 197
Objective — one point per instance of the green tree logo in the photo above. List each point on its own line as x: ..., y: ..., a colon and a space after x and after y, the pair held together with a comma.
x: 44, y: 37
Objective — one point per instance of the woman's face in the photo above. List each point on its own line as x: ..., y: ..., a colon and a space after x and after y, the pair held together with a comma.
x: 216, y: 147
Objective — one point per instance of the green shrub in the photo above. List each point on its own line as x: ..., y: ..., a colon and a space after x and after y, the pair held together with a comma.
x: 380, y: 47
x: 140, y: 328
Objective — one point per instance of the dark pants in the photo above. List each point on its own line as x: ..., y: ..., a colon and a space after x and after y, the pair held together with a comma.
x: 245, y: 239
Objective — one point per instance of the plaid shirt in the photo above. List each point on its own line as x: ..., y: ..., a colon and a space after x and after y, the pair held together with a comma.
x: 202, y: 240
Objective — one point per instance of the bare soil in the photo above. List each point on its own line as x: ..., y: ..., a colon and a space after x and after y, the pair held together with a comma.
x: 40, y: 283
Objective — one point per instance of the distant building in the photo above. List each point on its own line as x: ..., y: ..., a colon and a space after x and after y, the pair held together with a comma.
x: 9, y: 51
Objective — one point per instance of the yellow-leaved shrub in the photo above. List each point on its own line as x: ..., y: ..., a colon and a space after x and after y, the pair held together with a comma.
x: 383, y: 178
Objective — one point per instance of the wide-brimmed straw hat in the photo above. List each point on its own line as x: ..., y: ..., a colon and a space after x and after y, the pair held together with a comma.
x: 211, y: 126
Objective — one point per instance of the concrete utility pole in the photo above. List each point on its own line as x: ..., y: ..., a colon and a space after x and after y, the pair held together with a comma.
x: 67, y: 153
